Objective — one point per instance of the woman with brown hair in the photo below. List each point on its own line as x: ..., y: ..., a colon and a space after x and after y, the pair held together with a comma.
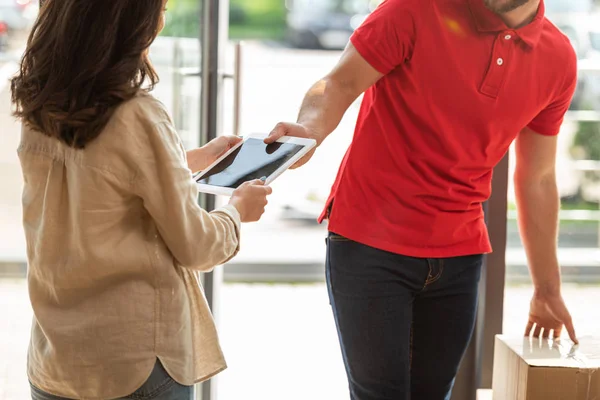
x: 114, y: 234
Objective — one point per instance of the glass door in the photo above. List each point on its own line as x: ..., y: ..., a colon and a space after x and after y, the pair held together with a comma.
x: 177, y: 57
x: 189, y: 56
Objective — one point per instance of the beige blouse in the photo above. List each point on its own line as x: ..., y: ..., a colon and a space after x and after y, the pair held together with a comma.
x: 115, y: 239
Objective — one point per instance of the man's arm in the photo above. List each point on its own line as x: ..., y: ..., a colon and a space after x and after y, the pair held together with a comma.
x: 328, y: 100
x: 382, y: 43
x: 538, y: 206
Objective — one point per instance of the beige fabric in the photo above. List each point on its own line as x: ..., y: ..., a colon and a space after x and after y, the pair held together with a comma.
x: 115, y: 239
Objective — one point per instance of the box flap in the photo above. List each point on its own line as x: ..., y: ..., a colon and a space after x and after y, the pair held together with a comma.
x: 556, y: 353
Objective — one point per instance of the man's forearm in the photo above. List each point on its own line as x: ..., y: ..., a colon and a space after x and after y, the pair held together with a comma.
x: 538, y: 206
x: 324, y: 107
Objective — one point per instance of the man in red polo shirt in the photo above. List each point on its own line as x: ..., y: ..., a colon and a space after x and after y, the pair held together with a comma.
x: 449, y: 86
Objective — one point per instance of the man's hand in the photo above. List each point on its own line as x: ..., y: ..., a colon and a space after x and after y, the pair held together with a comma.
x: 548, y: 312
x: 202, y: 158
x: 296, y: 130
x: 328, y: 99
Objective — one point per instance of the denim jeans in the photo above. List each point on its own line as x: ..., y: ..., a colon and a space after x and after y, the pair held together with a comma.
x: 403, y: 323
x: 160, y: 386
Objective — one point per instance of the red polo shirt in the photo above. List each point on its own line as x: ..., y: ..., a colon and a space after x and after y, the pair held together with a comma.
x: 459, y: 86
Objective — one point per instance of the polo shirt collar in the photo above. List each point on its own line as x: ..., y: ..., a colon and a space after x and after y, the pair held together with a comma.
x: 487, y: 21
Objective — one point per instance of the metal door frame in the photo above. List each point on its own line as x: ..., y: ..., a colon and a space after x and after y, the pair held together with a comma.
x: 477, y: 366
x: 214, y: 24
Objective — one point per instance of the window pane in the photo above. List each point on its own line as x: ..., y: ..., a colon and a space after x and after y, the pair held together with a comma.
x: 16, y: 19
x: 578, y: 176
x: 177, y: 58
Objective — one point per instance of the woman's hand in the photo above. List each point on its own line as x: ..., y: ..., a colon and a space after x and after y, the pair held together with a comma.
x: 250, y: 199
x: 202, y: 158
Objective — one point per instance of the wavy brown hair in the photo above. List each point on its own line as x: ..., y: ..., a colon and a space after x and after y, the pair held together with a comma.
x: 83, y: 59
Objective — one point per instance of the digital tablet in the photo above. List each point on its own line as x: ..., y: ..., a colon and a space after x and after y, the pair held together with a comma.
x: 252, y: 159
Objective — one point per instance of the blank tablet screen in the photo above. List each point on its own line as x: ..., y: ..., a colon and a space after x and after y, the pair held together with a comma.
x: 252, y: 160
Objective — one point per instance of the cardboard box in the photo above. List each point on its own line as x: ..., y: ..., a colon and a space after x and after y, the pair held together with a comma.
x: 534, y: 369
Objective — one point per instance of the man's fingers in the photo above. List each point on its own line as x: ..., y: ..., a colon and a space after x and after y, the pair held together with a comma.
x: 277, y: 133
x: 571, y: 330
x: 537, y: 331
x: 558, y: 332
x: 546, y: 333
x: 529, y: 328
x: 300, y: 162
x: 567, y: 321
x: 303, y: 160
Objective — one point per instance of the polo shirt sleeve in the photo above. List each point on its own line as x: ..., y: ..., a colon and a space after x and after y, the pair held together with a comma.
x: 386, y: 39
x: 550, y: 119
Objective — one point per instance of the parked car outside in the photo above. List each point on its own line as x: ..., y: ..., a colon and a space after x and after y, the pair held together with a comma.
x: 325, y: 24
x: 577, y: 19
x: 18, y: 14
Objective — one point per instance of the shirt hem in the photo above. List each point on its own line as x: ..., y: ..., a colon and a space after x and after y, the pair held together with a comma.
x: 543, y: 131
x: 214, y: 371
x: 372, y: 58
x: 50, y: 389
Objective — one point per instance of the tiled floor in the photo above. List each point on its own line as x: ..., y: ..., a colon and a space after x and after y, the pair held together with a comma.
x: 280, y: 334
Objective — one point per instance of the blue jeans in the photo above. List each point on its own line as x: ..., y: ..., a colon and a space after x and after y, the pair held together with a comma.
x: 403, y: 323
x: 160, y: 386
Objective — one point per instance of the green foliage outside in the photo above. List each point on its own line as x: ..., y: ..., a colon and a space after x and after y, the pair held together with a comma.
x: 248, y: 19
x: 260, y: 19
x: 183, y: 18
x: 586, y: 144
x: 565, y: 205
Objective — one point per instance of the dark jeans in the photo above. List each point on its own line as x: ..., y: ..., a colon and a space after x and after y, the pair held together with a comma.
x: 404, y: 323
x: 159, y: 386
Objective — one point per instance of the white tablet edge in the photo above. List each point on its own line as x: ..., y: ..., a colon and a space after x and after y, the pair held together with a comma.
x: 216, y: 190
x: 308, y: 145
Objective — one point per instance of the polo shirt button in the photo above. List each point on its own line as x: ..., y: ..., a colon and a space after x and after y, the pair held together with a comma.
x: 508, y: 37
x: 500, y: 61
